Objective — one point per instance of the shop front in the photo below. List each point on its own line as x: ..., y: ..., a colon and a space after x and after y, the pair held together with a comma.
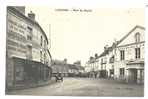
x: 135, y: 72
x: 29, y: 73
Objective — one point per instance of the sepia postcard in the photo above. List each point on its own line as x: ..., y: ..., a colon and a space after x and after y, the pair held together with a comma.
x: 74, y: 51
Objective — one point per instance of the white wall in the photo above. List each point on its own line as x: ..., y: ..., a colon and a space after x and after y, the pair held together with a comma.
x: 129, y: 45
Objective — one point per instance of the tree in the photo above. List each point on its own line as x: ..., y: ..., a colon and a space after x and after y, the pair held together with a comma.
x: 65, y: 60
x: 91, y: 58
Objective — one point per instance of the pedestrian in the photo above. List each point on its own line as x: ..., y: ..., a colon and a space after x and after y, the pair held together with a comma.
x: 112, y: 76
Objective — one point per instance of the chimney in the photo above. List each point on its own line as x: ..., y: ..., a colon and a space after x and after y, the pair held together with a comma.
x: 31, y: 15
x: 105, y: 47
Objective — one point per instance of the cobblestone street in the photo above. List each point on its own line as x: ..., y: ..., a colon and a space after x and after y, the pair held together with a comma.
x: 85, y: 87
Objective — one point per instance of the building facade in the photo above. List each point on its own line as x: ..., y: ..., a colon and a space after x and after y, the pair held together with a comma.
x: 124, y: 59
x: 129, y: 56
x: 66, y: 69
x: 27, y: 55
x: 60, y: 66
x: 79, y: 67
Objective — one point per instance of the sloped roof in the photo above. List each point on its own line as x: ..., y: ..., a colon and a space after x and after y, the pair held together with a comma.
x: 106, y: 51
x: 118, y: 42
x: 80, y: 67
x: 71, y: 66
x: 137, y: 26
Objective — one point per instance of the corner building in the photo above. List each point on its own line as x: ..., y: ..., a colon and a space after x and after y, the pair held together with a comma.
x: 28, y: 58
x: 129, y: 56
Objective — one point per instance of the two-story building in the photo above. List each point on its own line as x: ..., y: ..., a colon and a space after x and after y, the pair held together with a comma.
x: 129, y: 57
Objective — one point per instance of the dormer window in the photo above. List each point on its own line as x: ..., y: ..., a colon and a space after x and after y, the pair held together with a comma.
x: 137, y: 37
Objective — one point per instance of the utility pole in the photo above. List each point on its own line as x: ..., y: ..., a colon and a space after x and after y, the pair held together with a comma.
x: 50, y: 37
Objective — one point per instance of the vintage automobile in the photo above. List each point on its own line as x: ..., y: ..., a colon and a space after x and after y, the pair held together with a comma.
x: 59, y: 77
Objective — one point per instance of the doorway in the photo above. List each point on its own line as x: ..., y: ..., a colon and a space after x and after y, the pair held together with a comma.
x: 133, y: 78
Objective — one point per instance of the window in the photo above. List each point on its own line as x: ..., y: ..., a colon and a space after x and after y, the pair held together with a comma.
x: 29, y: 37
x: 29, y: 29
x: 41, y: 41
x: 101, y: 67
x: 137, y: 37
x: 112, y: 66
x: 137, y: 53
x: 121, y: 71
x: 41, y: 56
x: 105, y: 67
x: 111, y: 60
x: 102, y: 60
x: 122, y: 55
x: 44, y: 43
x: 111, y: 71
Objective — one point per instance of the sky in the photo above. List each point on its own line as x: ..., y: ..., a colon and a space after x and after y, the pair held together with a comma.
x: 77, y: 35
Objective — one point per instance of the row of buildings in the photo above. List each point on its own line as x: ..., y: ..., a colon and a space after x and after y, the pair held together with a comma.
x: 28, y: 58
x: 66, y: 69
x: 123, y: 60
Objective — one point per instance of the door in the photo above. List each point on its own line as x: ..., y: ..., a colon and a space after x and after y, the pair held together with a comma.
x: 133, y: 75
